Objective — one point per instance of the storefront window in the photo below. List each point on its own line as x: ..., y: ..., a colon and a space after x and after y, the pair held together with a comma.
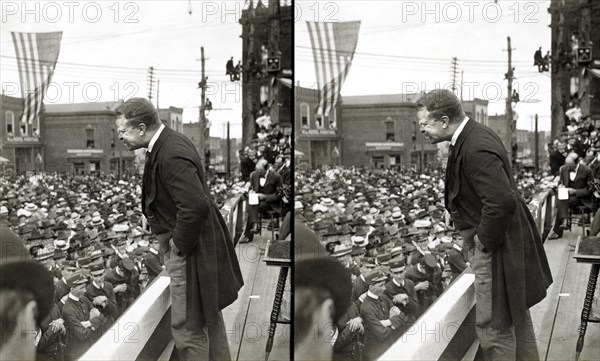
x: 10, y: 123
x: 390, y: 136
x: 304, y: 115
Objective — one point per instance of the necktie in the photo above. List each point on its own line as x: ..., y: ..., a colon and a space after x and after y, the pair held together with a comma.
x: 144, y: 180
x: 449, y: 166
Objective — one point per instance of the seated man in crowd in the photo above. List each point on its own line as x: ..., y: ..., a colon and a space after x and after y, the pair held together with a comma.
x: 380, y: 319
x: 264, y: 182
x: 574, y: 176
x: 84, y: 323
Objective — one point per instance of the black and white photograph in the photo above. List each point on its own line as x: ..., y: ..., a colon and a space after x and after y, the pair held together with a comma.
x: 446, y: 184
x: 145, y: 180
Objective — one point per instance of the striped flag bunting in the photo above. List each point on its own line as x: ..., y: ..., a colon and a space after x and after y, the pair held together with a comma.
x: 37, y: 54
x: 333, y: 46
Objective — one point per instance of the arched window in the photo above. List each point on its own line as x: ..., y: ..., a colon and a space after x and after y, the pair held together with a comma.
x: 10, y: 123
x: 332, y: 119
x: 23, y: 127
x: 304, y: 115
x: 89, y: 132
x: 35, y: 130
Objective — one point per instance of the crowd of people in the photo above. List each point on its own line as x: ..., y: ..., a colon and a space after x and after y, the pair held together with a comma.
x: 574, y: 160
x: 391, y: 232
x: 89, y: 233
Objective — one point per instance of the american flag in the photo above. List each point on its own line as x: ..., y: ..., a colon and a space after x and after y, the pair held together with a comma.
x: 333, y: 46
x: 37, y: 54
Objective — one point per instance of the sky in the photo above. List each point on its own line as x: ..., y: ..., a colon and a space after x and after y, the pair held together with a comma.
x: 108, y: 46
x: 404, y: 46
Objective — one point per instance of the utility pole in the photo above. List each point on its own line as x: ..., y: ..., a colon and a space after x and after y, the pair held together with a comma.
x: 510, y: 128
x: 150, y: 82
x: 157, y: 92
x: 202, y: 86
x: 453, y: 74
x: 228, y: 153
x: 462, y: 74
x: 537, y: 146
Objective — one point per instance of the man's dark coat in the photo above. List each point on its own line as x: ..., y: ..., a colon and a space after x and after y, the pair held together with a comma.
x: 482, y: 194
x: 177, y: 200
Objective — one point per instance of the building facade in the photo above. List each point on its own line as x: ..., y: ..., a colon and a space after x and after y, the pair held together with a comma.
x: 318, y: 138
x: 382, y: 131
x: 266, y: 87
x: 21, y: 143
x: 575, y: 65
x: 81, y: 139
x: 172, y: 117
x: 476, y: 109
x: 218, y: 150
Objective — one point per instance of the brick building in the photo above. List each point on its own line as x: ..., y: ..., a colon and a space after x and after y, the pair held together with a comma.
x: 382, y: 131
x: 267, y: 34
x: 21, y: 143
x: 81, y: 138
x: 218, y: 149
x: 575, y: 76
x: 317, y: 137
x: 476, y: 109
x: 172, y: 117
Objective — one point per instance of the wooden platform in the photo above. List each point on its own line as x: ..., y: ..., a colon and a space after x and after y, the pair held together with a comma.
x: 556, y: 319
x: 247, y: 320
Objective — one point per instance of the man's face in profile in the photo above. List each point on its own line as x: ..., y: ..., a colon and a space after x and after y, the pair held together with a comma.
x: 131, y: 137
x: 433, y: 129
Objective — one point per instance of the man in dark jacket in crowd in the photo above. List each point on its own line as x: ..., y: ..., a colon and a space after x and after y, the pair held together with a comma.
x: 574, y: 176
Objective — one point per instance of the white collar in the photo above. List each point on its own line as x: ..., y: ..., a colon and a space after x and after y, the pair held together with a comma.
x: 363, y: 278
x: 458, y: 131
x: 76, y: 299
x: 372, y: 295
x: 155, y: 138
x: 266, y: 173
x: 64, y: 280
x: 153, y: 251
x: 420, y: 268
x: 119, y: 272
x: 457, y: 247
x: 396, y: 283
x: 96, y: 285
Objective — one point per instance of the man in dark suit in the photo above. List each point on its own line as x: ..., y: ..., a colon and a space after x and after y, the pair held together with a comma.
x: 505, y: 247
x: 101, y: 293
x: 264, y: 182
x: 574, y: 176
x: 556, y: 157
x: 84, y: 323
x: 198, y: 250
x: 380, y: 318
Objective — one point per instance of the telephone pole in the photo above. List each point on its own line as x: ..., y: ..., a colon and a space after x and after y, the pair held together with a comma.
x: 202, y: 86
x: 537, y: 146
x: 453, y: 74
x: 150, y: 82
x: 462, y: 74
x: 510, y: 127
x: 157, y: 92
x: 228, y: 153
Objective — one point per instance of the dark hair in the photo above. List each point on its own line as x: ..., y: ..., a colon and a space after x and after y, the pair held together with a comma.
x: 138, y: 111
x: 440, y: 102
x: 12, y: 301
x: 319, y: 279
